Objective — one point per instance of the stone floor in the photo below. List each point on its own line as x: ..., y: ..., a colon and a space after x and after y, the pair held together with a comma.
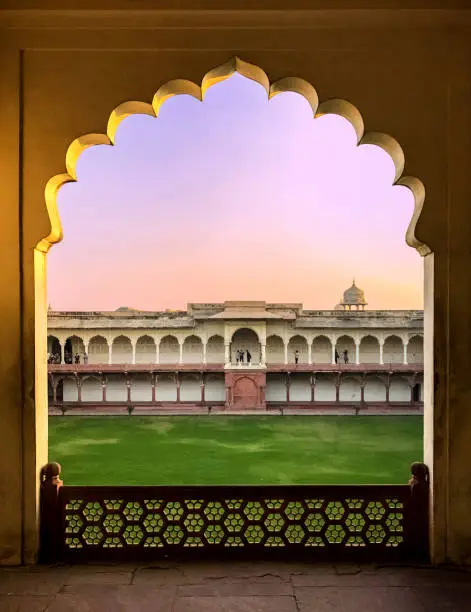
x: 234, y: 587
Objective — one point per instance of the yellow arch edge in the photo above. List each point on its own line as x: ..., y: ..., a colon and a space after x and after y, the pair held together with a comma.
x: 176, y: 87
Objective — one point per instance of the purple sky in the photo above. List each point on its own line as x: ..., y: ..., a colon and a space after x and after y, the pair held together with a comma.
x: 235, y: 198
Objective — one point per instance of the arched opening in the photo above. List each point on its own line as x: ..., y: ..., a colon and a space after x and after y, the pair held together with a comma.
x: 166, y: 388
x: 190, y: 388
x: 116, y: 389
x: 297, y: 350
x: 245, y: 347
x: 346, y: 350
x: 98, y: 350
x: 247, y: 340
x: 399, y: 389
x: 54, y: 350
x: 321, y: 350
x: 141, y: 386
x: 146, y: 350
x: 169, y: 350
x: 300, y: 388
x: 326, y: 390
x: 192, y: 350
x: 245, y: 394
x: 375, y: 390
x: 69, y: 389
x: 121, y: 350
x: 215, y: 388
x: 92, y: 389
x: 415, y: 350
x: 75, y: 349
x: 215, y: 349
x: 275, y: 350
x: 276, y: 387
x: 369, y: 350
x: 350, y: 389
x: 393, y: 350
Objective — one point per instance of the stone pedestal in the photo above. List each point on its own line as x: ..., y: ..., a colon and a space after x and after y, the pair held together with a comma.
x: 245, y: 390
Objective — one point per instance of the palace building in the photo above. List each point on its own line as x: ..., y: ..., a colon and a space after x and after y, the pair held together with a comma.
x: 237, y: 356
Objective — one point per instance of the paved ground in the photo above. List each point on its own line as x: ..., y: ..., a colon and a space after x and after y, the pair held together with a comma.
x: 234, y: 587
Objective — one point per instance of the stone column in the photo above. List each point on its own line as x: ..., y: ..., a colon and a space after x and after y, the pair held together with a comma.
x: 203, y: 399
x: 381, y: 358
x: 78, y: 382
x: 110, y: 353
x: 128, y: 389
x: 154, y: 384
x: 157, y: 352
x: 405, y: 351
x: 181, y: 353
x: 357, y: 351
x: 337, y: 389
x: 388, y: 387
x: 103, y: 388
x: 313, y: 388
x: 85, y: 348
x: 177, y: 378
x: 133, y: 352
x: 227, y: 354
x: 263, y: 355
x: 204, y: 353
x: 288, y: 383
x: 334, y: 344
x: 309, y: 353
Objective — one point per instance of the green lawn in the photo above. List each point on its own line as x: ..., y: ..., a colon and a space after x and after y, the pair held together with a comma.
x: 235, y: 450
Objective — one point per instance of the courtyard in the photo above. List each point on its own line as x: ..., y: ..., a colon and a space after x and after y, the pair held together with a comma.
x: 217, y: 450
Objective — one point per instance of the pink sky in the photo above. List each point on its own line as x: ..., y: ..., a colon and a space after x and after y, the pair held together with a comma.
x: 235, y: 198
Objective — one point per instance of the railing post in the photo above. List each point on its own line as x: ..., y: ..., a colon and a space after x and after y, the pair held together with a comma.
x: 50, y: 526
x: 417, y: 519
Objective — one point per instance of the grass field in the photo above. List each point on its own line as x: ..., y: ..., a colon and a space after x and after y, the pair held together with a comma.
x: 235, y: 450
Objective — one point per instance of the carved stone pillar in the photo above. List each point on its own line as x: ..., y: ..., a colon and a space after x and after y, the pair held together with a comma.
x: 177, y: 379
x: 405, y: 352
x: 128, y: 389
x: 337, y: 389
x: 204, y: 353
x: 285, y: 346
x: 357, y: 352
x: 103, y: 388
x: 203, y: 399
x: 381, y: 358
x: 227, y: 354
x: 133, y: 353
x: 263, y: 354
x: 313, y: 388
x: 309, y: 353
x: 180, y: 360
x: 154, y: 384
x: 78, y: 382
x: 334, y: 345
x: 288, y: 384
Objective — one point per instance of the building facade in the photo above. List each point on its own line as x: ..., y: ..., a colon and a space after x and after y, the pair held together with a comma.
x: 237, y: 356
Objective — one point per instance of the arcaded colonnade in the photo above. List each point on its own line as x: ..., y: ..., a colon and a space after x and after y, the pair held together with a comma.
x: 190, y: 348
x: 405, y: 71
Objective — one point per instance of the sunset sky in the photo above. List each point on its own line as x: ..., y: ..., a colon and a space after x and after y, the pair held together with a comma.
x: 235, y: 198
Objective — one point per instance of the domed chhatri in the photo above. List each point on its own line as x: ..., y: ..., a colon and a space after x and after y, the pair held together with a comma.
x: 354, y: 297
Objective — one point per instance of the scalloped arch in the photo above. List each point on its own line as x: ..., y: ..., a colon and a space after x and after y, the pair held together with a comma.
x: 175, y: 87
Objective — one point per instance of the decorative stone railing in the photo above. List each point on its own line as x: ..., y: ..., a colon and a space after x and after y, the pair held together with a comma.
x: 354, y: 522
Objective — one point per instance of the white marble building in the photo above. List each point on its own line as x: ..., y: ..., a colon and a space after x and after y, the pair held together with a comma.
x: 297, y: 356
